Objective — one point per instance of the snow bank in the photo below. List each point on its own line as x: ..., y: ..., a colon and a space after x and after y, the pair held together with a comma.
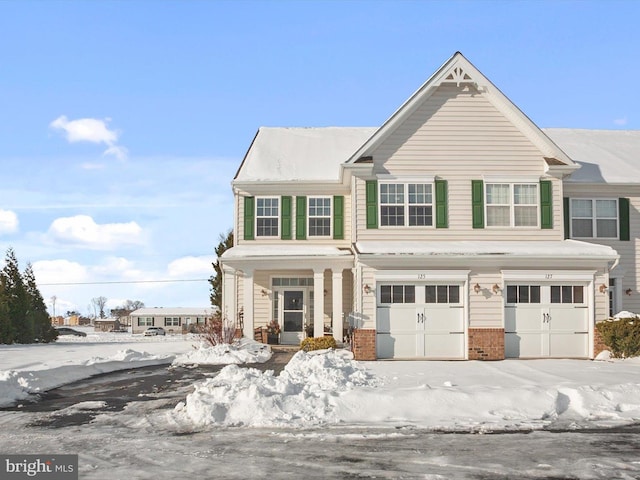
x: 18, y: 385
x: 242, y: 351
x: 331, y: 388
x: 625, y: 314
x: 305, y: 393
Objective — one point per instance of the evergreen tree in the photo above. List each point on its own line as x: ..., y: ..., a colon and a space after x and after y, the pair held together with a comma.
x: 226, y: 242
x: 7, y: 334
x: 37, y: 313
x: 16, y: 301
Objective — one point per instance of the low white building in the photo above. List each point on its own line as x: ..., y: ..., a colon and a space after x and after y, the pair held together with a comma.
x: 173, y: 320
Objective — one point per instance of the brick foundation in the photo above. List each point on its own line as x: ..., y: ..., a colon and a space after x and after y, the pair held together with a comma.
x: 598, y: 345
x: 486, y: 344
x: 363, y: 344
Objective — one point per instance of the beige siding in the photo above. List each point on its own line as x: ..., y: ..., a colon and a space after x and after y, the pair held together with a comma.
x: 460, y: 221
x: 459, y: 136
x: 321, y: 241
x: 628, y: 250
x: 486, y: 308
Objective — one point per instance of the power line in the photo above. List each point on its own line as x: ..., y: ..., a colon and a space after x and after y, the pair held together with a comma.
x: 115, y: 282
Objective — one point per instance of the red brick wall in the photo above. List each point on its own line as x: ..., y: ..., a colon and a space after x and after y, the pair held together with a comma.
x: 598, y: 344
x: 486, y: 344
x: 364, y: 344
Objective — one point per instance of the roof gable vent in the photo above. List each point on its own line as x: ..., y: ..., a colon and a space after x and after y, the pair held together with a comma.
x: 457, y: 75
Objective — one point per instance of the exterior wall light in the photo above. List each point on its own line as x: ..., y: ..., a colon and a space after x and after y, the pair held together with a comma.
x: 367, y: 289
x: 495, y: 288
x: 602, y: 288
x: 477, y: 288
x: 628, y: 291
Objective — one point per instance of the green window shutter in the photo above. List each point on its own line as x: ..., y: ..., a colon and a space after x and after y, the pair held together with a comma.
x: 372, y: 203
x: 338, y: 217
x: 546, y: 204
x: 567, y: 217
x: 285, y: 213
x: 477, y: 203
x: 623, y: 214
x: 249, y: 212
x: 301, y: 218
x: 441, y: 204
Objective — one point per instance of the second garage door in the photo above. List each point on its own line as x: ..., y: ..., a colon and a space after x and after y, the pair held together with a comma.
x: 546, y: 321
x: 418, y: 320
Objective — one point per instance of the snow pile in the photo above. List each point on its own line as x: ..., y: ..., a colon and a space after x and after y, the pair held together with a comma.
x: 625, y: 314
x: 305, y: 393
x: 242, y: 351
x: 19, y: 385
x: 331, y: 388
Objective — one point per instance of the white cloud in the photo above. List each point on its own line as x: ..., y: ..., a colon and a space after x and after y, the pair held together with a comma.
x: 84, y: 231
x: 8, y: 222
x: 119, y: 267
x: 621, y: 121
x: 59, y: 271
x: 91, y: 130
x: 191, y: 267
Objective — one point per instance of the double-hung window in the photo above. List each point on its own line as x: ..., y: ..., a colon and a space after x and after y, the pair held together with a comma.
x: 406, y: 204
x: 319, y: 216
x: 512, y: 204
x: 267, y: 215
x: 594, y: 218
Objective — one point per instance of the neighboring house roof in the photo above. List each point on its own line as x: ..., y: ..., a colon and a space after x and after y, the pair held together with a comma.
x: 303, y: 154
x: 533, y: 249
x: 605, y: 156
x: 181, y: 312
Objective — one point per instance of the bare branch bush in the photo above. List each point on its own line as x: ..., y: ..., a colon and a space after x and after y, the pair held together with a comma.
x: 218, y: 330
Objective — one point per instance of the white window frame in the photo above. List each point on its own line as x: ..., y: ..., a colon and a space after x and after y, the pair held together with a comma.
x: 329, y: 217
x: 594, y: 217
x: 406, y: 205
x: 512, y: 205
x: 277, y: 216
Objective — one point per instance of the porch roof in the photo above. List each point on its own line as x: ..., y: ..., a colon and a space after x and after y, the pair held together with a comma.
x: 298, y: 256
x: 476, y: 249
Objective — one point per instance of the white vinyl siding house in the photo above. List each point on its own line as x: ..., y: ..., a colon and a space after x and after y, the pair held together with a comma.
x: 444, y: 233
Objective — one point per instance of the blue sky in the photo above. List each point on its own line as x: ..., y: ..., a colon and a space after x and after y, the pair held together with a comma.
x: 123, y: 122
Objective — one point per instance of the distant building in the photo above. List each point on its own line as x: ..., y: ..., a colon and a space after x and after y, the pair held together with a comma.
x: 173, y: 320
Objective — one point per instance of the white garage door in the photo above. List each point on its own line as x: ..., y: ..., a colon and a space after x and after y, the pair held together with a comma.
x: 546, y: 321
x: 418, y: 320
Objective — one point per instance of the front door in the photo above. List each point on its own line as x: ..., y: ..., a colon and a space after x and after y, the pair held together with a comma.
x: 292, y: 317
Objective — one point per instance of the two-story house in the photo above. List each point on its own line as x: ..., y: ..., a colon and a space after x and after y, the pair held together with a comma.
x: 456, y: 230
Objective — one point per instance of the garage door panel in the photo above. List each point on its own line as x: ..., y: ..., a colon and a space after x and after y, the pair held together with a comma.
x: 556, y: 325
x: 396, y: 345
x: 444, y: 319
x: 444, y: 345
x: 523, y: 344
x: 569, y: 344
x: 568, y: 319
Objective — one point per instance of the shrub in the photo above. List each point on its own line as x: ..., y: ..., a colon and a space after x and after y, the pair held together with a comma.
x: 317, y: 343
x: 621, y: 336
x: 217, y: 330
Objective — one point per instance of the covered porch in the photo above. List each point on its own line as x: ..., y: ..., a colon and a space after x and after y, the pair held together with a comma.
x: 306, y: 290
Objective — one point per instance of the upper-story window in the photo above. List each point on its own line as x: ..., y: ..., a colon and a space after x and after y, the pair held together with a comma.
x: 511, y: 204
x: 406, y: 204
x: 319, y: 216
x: 594, y: 218
x: 267, y: 216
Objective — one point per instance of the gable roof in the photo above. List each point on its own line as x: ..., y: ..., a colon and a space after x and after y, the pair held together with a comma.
x: 459, y: 70
x: 605, y: 156
x: 303, y: 154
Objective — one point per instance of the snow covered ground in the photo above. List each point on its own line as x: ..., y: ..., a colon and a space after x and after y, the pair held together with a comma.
x: 324, y: 398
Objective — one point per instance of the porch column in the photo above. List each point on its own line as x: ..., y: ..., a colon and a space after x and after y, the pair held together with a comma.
x: 318, y: 302
x: 248, y: 303
x: 229, y: 295
x: 336, y: 293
